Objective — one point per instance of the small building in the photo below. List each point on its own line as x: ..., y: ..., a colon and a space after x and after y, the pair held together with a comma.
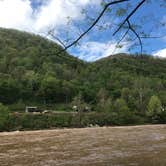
x: 32, y: 110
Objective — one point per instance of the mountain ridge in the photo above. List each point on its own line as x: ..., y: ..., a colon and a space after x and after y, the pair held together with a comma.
x: 30, y: 71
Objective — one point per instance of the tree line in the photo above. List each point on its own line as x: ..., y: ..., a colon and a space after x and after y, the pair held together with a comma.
x: 126, y: 88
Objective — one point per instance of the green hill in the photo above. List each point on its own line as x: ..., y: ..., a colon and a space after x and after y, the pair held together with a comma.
x: 31, y: 69
x: 131, y: 77
x: 32, y: 73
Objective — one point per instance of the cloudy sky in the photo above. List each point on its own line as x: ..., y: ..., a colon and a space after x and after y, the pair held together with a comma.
x: 69, y: 18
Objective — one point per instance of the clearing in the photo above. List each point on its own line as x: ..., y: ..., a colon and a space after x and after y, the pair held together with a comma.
x: 105, y: 146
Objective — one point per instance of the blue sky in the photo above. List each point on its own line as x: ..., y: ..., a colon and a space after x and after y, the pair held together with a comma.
x: 67, y: 20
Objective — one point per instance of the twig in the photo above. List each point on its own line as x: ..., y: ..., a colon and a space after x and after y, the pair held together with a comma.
x: 56, y: 38
x: 121, y: 40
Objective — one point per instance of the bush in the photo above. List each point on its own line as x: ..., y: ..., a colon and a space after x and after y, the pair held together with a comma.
x: 4, y: 113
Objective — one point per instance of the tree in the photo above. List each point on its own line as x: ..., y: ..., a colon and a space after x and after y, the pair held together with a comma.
x: 102, y: 97
x: 124, y: 114
x: 79, y: 103
x: 50, y: 89
x: 9, y: 90
x: 4, y: 112
x: 127, y: 28
x: 125, y: 94
x: 142, y: 92
x: 108, y: 106
x: 154, y: 106
x: 68, y: 90
x: 120, y: 105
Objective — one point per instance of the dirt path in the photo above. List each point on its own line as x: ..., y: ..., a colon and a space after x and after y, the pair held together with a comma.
x: 106, y: 146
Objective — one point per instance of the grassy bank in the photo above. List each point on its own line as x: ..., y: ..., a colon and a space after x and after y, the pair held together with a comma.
x: 29, y: 121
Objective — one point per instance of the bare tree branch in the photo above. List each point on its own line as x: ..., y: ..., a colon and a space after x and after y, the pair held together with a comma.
x: 95, y: 22
x: 128, y: 17
x: 50, y: 32
x: 136, y: 34
x: 152, y: 37
x: 129, y: 25
x: 137, y: 37
x: 121, y: 40
x: 130, y: 28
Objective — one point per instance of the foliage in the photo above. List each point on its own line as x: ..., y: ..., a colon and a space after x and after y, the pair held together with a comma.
x: 119, y: 87
x: 154, y: 106
x: 18, y: 121
x: 4, y: 113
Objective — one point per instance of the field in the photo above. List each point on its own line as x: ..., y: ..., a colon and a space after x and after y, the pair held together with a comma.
x: 106, y: 146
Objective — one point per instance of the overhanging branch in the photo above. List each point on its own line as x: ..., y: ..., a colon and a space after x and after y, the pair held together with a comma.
x: 95, y: 22
x: 128, y: 17
x: 136, y: 34
x: 65, y: 47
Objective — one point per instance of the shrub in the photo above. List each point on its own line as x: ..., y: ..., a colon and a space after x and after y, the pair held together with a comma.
x: 4, y: 113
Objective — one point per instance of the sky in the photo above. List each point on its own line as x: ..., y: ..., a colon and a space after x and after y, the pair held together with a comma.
x: 69, y: 18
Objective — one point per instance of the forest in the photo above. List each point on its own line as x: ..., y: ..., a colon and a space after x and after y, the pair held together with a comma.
x: 119, y: 89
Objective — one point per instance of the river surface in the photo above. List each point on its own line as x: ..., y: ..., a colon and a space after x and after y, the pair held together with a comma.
x: 101, y: 146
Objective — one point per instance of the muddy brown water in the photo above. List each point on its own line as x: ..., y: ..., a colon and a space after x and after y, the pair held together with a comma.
x: 105, y: 146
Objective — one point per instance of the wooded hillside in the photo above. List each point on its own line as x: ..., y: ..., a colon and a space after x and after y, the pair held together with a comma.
x: 33, y: 72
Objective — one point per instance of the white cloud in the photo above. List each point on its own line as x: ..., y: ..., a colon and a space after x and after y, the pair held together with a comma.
x: 92, y: 51
x: 56, y: 13
x: 160, y: 53
x: 15, y: 14
x: 19, y: 14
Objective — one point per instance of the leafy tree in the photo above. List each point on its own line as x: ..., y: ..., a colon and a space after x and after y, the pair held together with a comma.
x: 79, y: 103
x: 9, y: 90
x: 125, y: 94
x: 154, y: 106
x: 142, y: 93
x: 123, y: 113
x: 102, y: 97
x: 68, y: 90
x: 50, y: 89
x: 4, y: 112
x: 108, y: 106
x: 120, y: 105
